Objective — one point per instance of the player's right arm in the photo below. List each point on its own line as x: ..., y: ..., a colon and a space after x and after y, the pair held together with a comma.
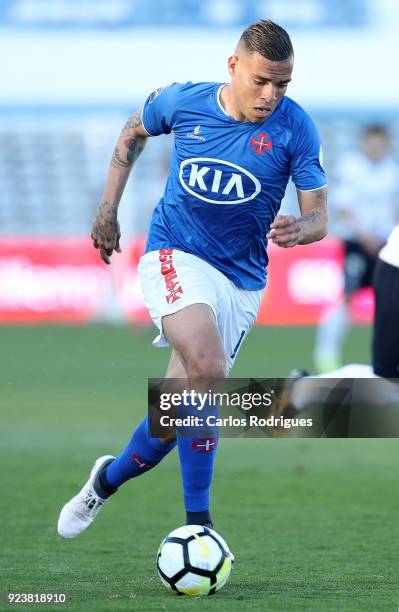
x: 105, y: 232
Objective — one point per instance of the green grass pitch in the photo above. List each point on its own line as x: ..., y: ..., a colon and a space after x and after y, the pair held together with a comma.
x: 313, y: 523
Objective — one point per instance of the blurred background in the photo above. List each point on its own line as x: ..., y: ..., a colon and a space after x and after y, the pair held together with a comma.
x: 75, y: 338
x: 74, y: 70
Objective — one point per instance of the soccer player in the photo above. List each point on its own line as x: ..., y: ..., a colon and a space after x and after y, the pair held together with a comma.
x: 385, y: 350
x: 373, y: 385
x: 204, y: 269
x: 366, y: 201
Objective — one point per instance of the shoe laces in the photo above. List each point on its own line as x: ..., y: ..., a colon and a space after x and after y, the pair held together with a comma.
x: 92, y: 502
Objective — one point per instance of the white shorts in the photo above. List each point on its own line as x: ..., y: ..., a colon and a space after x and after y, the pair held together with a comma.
x: 172, y: 280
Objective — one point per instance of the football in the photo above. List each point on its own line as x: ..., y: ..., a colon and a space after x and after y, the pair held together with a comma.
x: 194, y: 560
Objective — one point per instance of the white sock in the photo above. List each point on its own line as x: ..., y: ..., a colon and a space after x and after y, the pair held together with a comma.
x: 331, y: 334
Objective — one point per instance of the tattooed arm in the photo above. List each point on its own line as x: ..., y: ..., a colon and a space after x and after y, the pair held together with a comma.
x: 288, y: 231
x: 106, y: 231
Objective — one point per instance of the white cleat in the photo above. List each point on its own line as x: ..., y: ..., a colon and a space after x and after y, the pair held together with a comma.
x: 81, y: 510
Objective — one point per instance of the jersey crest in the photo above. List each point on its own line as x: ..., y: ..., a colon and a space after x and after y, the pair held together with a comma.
x: 262, y: 143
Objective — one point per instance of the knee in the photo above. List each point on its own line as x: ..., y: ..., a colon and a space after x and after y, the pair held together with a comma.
x: 174, y: 371
x: 206, y: 366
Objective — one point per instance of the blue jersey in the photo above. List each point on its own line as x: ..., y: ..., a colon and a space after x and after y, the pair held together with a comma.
x: 227, y: 177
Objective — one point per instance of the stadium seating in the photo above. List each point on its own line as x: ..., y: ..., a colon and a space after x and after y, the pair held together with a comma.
x: 52, y: 172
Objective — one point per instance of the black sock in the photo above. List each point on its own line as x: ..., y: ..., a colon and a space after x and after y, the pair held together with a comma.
x: 101, y: 485
x: 199, y: 518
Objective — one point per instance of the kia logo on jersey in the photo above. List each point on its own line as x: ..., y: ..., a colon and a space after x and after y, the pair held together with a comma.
x: 218, y: 181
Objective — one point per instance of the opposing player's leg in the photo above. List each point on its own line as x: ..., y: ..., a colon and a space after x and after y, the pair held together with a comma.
x: 385, y: 351
x: 363, y: 387
x: 331, y: 334
x: 195, y: 337
x: 334, y: 324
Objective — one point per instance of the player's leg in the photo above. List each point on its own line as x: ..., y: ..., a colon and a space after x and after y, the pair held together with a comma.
x: 189, y: 283
x: 330, y: 336
x: 198, y: 355
x: 334, y: 324
x: 193, y: 333
x: 317, y: 389
x: 353, y: 384
x: 142, y: 453
x: 385, y: 350
x: 182, y: 292
x: 171, y: 280
x: 208, y: 341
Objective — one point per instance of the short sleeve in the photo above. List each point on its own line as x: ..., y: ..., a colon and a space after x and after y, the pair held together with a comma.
x: 306, y: 161
x: 159, y: 109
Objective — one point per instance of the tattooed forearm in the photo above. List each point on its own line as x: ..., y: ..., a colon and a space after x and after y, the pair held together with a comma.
x: 130, y: 143
x: 117, y: 160
x: 313, y: 226
x: 132, y: 147
x: 133, y: 121
x: 313, y: 221
x: 312, y: 217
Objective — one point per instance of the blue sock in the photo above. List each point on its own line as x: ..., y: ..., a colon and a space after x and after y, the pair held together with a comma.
x: 140, y: 455
x: 197, y: 457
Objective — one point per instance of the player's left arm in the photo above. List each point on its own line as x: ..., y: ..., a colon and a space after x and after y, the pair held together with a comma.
x: 287, y: 231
